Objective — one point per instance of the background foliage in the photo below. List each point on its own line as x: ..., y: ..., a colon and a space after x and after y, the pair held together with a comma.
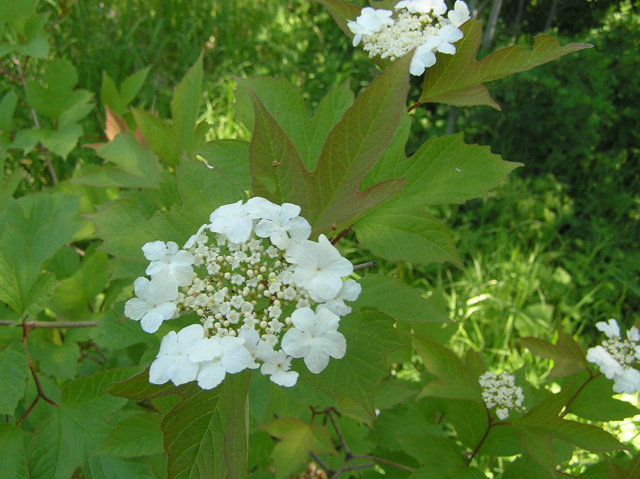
x: 555, y: 248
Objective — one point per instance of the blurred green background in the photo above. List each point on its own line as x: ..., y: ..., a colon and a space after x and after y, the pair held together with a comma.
x: 556, y: 246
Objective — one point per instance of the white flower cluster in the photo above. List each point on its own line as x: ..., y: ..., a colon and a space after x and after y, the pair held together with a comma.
x: 501, y: 392
x: 257, y: 283
x: 419, y: 24
x: 616, y: 356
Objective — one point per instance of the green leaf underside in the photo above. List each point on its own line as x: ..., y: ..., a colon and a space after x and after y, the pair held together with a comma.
x: 36, y: 227
x: 138, y: 435
x: 286, y: 105
x: 297, y: 440
x: 540, y: 425
x: 64, y: 440
x: 13, y: 463
x: 456, y: 79
x: 136, y: 165
x: 231, y: 156
x: 443, y: 171
x: 396, y: 300
x: 596, y: 404
x: 370, y: 338
x: 441, y: 458
x: 124, y: 228
x: 403, y: 234
x: 170, y: 143
x: 455, y: 380
x: 205, y: 434
x: 567, y: 354
x: 14, y: 371
x: 329, y: 196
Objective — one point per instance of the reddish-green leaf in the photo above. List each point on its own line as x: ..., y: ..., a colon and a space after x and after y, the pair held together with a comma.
x: 567, y: 354
x: 456, y: 79
x: 330, y: 196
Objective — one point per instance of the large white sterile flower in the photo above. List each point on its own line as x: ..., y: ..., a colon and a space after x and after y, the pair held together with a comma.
x: 610, y: 328
x: 627, y: 382
x: 232, y: 221
x: 153, y: 303
x: 252, y: 344
x: 438, y: 7
x: 234, y: 358
x: 349, y: 291
x: 320, y: 268
x: 277, y: 364
x: 448, y: 35
x: 167, y: 260
x: 180, y: 354
x: 280, y: 223
x: 423, y: 58
x: 459, y: 14
x: 369, y: 22
x: 194, y: 238
x: 633, y: 334
x: 315, y: 338
x: 608, y: 365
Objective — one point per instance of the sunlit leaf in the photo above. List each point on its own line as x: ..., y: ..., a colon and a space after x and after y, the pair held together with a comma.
x: 456, y: 79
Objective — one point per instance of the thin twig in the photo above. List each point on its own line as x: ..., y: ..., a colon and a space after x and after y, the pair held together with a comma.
x: 84, y: 354
x: 327, y: 470
x: 347, y: 453
x: 99, y: 351
x: 52, y: 172
x: 360, y: 466
x: 51, y: 324
x: 370, y: 264
x: 60, y: 18
x: 384, y: 461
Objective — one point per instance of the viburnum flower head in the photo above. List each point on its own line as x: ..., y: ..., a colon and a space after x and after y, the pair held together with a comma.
x: 501, y: 392
x: 616, y: 357
x: 438, y: 7
x: 416, y: 24
x: 153, y: 304
x: 263, y: 292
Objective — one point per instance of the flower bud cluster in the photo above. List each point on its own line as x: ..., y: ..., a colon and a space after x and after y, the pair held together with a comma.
x: 262, y: 290
x: 419, y: 24
x: 616, y: 356
x: 502, y: 393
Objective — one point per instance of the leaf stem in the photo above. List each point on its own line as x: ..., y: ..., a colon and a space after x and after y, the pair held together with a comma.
x: 52, y: 171
x: 414, y: 106
x: 565, y: 411
x: 341, y: 235
x: 51, y: 324
x: 28, y: 411
x: 25, y: 333
x: 484, y: 437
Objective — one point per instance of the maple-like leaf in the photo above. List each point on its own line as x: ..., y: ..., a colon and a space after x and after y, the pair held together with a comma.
x: 329, y: 196
x: 456, y: 79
